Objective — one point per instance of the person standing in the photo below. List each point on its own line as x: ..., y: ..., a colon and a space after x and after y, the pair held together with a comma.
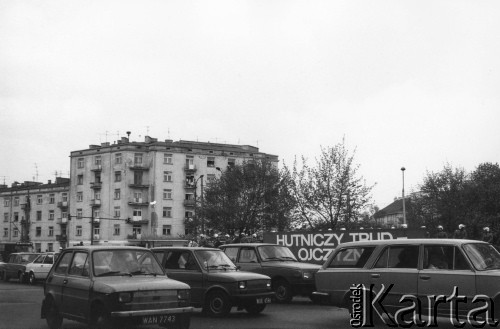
x: 460, y: 233
x: 487, y: 235
x: 441, y: 234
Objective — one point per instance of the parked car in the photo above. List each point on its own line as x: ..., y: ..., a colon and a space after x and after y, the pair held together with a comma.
x: 38, y: 269
x: 16, y: 265
x: 112, y: 287
x: 415, y: 267
x: 289, y: 276
x: 216, y: 283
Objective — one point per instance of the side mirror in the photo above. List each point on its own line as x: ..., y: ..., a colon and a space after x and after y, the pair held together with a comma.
x: 205, y: 265
x: 238, y: 267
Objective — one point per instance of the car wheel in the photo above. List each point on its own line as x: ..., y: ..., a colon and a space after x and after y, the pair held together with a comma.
x: 53, y: 317
x: 283, y: 291
x: 20, y: 275
x: 255, y: 308
x: 217, y: 303
x: 32, y: 279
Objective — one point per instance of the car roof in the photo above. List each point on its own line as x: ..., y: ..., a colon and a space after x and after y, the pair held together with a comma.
x: 453, y: 242
x: 249, y: 244
x: 96, y: 247
x: 184, y: 248
x: 25, y: 253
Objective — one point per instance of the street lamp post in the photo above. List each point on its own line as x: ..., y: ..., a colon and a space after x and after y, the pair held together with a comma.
x: 404, y: 209
x: 195, y: 205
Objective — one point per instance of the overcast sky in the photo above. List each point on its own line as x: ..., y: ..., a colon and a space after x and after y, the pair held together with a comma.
x: 407, y: 83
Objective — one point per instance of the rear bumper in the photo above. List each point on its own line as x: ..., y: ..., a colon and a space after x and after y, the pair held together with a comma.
x: 178, y: 310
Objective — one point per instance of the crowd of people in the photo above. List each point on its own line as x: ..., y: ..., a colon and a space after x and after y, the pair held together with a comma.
x: 218, y: 239
x: 461, y: 233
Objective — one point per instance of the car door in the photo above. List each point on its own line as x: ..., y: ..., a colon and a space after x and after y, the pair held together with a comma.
x: 444, y: 268
x: 57, y: 278
x: 396, y: 272
x: 181, y: 265
x: 76, y: 287
x: 46, y: 265
x: 248, y: 260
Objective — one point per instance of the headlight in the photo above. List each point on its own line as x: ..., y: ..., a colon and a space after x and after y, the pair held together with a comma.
x: 268, y: 284
x: 242, y: 284
x: 125, y: 297
x: 307, y: 275
x: 183, y: 294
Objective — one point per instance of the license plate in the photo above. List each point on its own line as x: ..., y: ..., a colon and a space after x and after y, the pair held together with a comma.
x: 159, y: 319
x: 263, y: 300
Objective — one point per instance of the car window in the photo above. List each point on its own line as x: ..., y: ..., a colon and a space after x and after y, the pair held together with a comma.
x: 160, y: 254
x: 125, y: 261
x: 460, y: 262
x: 39, y: 259
x: 28, y: 258
x: 62, y: 266
x: 438, y: 257
x: 232, y: 253
x: 483, y: 256
x: 79, y: 265
x: 398, y: 257
x: 355, y: 257
x: 49, y: 259
x: 248, y: 255
x: 273, y: 253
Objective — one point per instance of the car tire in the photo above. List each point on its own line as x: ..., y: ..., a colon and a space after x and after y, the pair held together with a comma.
x: 283, y: 291
x: 217, y: 303
x: 255, y: 308
x: 32, y: 279
x: 20, y: 276
x: 53, y: 317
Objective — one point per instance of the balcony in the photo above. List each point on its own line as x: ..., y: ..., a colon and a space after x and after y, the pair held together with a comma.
x: 95, y: 203
x: 138, y: 185
x: 189, y: 203
x: 190, y: 168
x: 138, y: 220
x: 139, y: 167
x: 62, y: 238
x: 62, y: 204
x: 134, y: 236
x: 96, y: 237
x: 62, y: 220
x: 189, y: 184
x: 25, y: 206
x: 96, y: 168
x: 138, y: 202
x: 95, y: 185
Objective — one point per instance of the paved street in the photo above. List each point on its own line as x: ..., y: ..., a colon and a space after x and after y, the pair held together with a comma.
x: 20, y: 309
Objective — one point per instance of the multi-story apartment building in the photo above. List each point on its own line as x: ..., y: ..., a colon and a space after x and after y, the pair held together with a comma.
x: 143, y: 190
x: 34, y: 213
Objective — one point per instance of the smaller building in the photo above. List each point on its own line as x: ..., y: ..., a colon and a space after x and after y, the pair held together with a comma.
x: 392, y: 215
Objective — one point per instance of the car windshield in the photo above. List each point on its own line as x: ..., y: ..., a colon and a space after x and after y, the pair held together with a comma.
x: 483, y: 256
x: 28, y: 258
x: 125, y: 262
x: 270, y: 253
x: 214, y: 259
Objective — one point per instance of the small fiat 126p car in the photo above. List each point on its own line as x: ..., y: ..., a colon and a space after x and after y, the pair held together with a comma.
x: 439, y: 277
x: 114, y: 287
x: 216, y: 283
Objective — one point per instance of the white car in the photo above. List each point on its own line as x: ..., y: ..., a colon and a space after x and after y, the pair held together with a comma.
x: 40, y: 267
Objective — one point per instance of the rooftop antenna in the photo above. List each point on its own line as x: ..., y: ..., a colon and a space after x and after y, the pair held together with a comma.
x: 36, y: 171
x: 128, y: 135
x: 3, y: 179
x: 147, y: 130
x: 168, y: 133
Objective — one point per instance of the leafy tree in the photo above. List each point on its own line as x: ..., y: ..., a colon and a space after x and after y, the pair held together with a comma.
x: 331, y: 192
x: 247, y: 198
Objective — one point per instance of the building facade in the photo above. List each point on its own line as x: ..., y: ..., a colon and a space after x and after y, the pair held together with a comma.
x: 34, y: 213
x: 129, y: 191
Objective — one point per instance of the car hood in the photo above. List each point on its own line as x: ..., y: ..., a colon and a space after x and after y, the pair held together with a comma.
x: 112, y: 284
x: 292, y: 265
x: 232, y: 276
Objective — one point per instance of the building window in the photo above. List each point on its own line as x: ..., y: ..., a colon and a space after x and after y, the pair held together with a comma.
x: 118, y: 158
x: 167, y: 176
x: 52, y: 198
x: 188, y: 214
x: 137, y: 213
x: 39, y: 199
x: 167, y: 212
x: 118, y: 176
x: 167, y: 158
x: 80, y: 163
x: 16, y: 217
x: 79, y: 213
x: 138, y: 158
x: 167, y: 229
x: 64, y: 214
x: 65, y: 197
x: 51, y: 215
x: 50, y: 247
x: 38, y: 231
x: 210, y: 177
x: 231, y: 162
x: 79, y: 196
x: 6, y: 203
x: 96, y: 214
x: 38, y: 215
x: 15, y: 234
x: 78, y: 230
x: 97, y: 160
x: 16, y: 201
x: 97, y: 231
x: 210, y: 161
x: 97, y: 195
x: 5, y: 232
x: 97, y: 177
x: 117, y: 212
x: 79, y: 180
x: 5, y: 216
x: 136, y: 229
x: 138, y: 197
x: 117, y: 194
x: 51, y: 230
x: 167, y: 194
x: 116, y: 229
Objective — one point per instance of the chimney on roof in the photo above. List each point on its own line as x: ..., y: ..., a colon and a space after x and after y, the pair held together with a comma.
x: 50, y: 182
